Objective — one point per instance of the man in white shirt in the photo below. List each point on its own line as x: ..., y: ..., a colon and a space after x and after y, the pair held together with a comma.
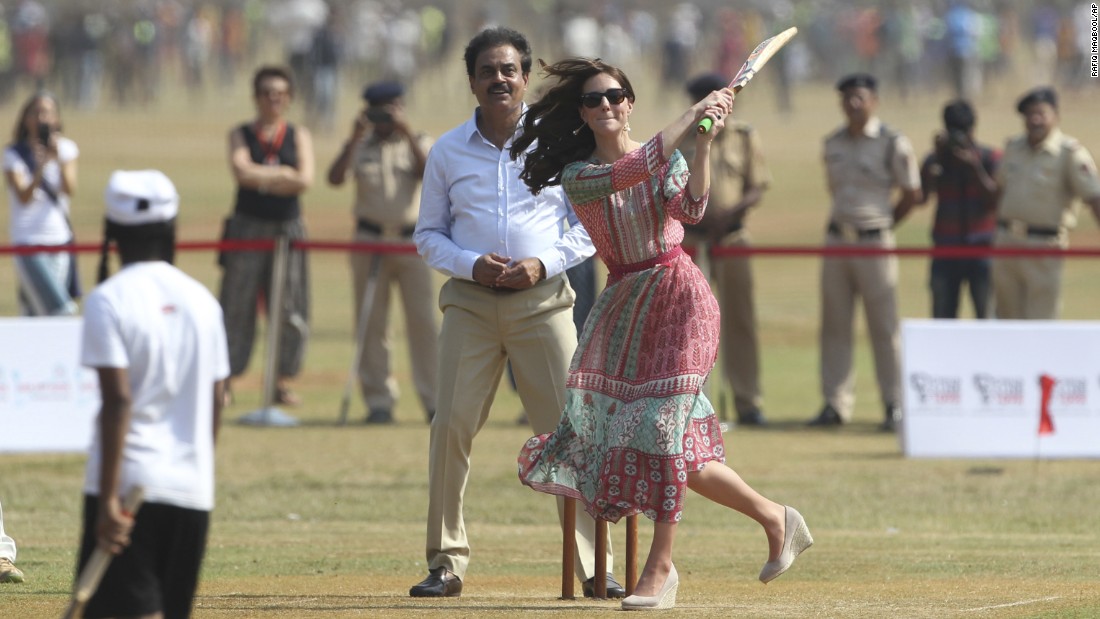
x: 508, y: 299
x: 156, y: 339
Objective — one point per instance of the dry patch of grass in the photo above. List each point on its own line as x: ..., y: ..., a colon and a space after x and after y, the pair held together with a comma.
x: 328, y: 521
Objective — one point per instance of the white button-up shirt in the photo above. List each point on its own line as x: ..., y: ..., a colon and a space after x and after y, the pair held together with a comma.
x: 472, y: 202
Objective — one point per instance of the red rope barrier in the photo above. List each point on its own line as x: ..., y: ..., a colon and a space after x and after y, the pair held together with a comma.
x: 374, y: 248
x: 233, y: 245
x: 935, y: 252
x: 716, y: 252
x: 89, y: 248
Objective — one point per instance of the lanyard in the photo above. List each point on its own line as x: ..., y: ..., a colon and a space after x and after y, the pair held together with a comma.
x: 271, y: 149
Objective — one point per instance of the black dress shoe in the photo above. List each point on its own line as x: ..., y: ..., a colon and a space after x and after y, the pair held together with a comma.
x: 826, y: 418
x: 614, y: 589
x: 380, y: 416
x: 752, y: 417
x: 440, y: 583
x: 891, y: 419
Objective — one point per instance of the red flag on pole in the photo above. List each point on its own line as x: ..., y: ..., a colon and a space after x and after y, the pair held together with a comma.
x: 1046, y: 421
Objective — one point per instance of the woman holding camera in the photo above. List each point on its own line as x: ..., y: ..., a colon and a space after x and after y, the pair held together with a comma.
x: 40, y: 173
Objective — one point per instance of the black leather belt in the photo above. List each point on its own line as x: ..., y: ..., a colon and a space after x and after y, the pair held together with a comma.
x: 869, y: 233
x: 369, y: 226
x: 1029, y: 230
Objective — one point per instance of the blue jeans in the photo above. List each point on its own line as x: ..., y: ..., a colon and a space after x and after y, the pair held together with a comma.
x: 44, y: 284
x: 948, y: 275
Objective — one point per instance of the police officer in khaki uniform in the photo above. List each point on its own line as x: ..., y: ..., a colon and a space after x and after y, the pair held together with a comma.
x: 387, y: 158
x: 864, y: 161
x: 1042, y: 175
x: 739, y: 178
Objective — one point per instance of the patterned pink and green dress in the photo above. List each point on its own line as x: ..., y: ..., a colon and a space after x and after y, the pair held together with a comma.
x: 635, y: 422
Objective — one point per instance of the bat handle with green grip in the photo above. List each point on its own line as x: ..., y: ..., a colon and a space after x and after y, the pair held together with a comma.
x: 707, y: 123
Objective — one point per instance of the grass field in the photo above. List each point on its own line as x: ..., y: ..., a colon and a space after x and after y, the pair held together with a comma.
x: 326, y: 521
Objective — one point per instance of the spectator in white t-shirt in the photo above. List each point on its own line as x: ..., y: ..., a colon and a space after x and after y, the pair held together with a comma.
x: 156, y: 339
x: 40, y: 173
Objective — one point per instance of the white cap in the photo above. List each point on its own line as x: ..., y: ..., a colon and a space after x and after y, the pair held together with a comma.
x: 140, y: 197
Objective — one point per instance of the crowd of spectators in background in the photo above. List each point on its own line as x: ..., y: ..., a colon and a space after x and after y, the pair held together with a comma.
x: 96, y: 53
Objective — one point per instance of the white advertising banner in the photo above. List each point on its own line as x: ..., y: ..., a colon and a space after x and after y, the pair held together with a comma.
x: 48, y: 401
x: 1001, y: 389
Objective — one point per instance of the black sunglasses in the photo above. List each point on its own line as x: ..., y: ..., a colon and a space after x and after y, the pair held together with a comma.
x: 614, y: 96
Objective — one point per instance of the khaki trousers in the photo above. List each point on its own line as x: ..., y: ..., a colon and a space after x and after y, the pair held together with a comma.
x: 874, y: 279
x: 732, y: 277
x: 413, y: 278
x: 482, y: 330
x: 1027, y: 288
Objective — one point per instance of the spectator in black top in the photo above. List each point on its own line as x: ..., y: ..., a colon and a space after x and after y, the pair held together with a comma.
x: 272, y: 164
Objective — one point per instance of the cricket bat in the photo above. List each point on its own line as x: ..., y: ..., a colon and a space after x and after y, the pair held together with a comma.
x: 93, y: 571
x: 756, y: 61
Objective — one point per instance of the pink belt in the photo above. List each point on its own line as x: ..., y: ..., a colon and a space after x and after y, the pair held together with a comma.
x: 618, y: 270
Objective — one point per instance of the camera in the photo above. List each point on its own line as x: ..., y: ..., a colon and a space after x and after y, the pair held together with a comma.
x: 44, y: 132
x: 957, y: 139
x: 378, y: 115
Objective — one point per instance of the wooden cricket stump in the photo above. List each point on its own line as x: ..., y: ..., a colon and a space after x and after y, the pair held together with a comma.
x: 568, y: 553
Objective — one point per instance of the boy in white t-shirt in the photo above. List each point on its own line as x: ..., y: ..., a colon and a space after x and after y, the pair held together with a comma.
x: 156, y: 338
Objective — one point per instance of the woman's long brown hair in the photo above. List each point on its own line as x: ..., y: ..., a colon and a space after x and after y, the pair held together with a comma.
x: 551, y: 123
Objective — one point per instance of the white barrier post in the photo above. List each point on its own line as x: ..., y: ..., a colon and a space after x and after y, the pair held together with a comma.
x: 268, y: 414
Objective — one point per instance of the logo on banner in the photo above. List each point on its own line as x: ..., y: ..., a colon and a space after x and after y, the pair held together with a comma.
x: 936, y: 390
x: 1071, y: 392
x: 999, y: 391
x: 1067, y: 396
x: 54, y: 387
x: 1046, y: 388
